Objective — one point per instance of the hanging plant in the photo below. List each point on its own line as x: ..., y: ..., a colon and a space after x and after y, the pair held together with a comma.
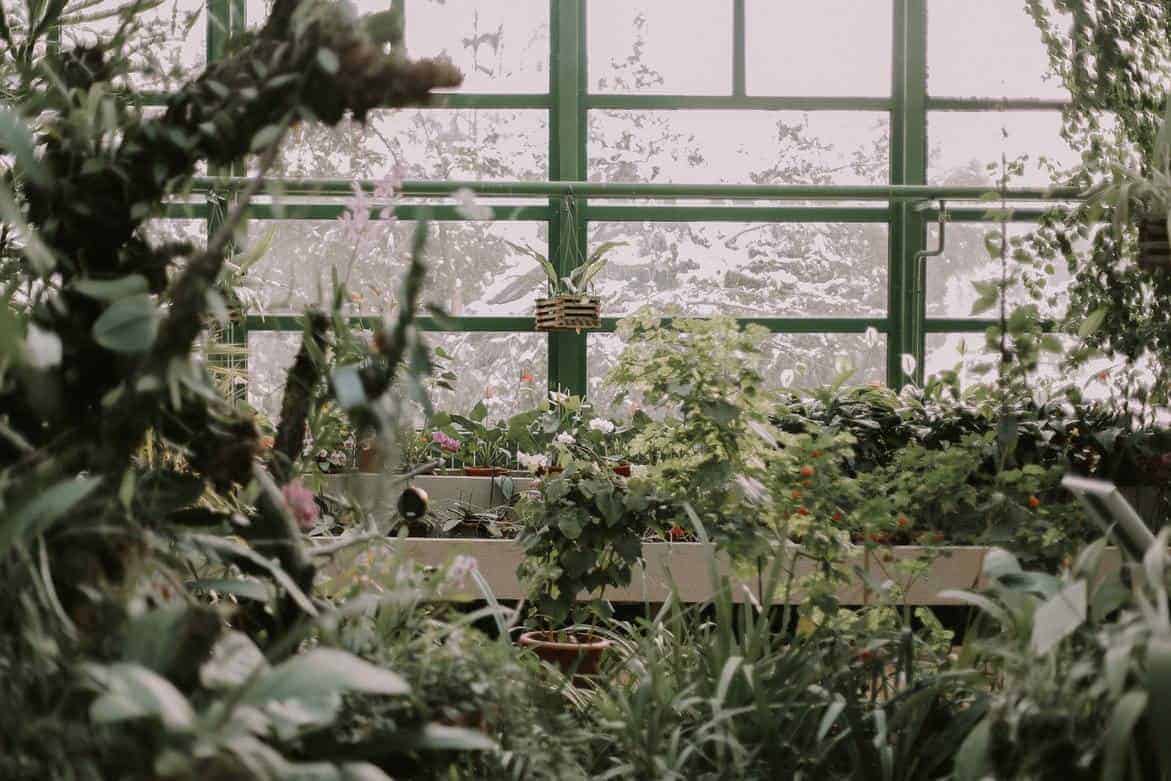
x: 571, y: 306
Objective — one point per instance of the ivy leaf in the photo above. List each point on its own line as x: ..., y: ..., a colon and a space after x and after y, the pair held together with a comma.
x: 128, y: 326
x: 1092, y: 323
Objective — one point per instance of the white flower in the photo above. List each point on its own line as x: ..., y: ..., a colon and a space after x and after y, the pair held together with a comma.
x: 565, y: 438
x: 787, y: 377
x: 42, y: 348
x: 909, y: 363
x: 557, y: 397
x: 602, y: 425
x: 468, y: 208
x: 461, y: 567
x: 871, y: 337
x: 532, y: 462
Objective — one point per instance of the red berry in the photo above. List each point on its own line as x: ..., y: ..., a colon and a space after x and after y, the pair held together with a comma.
x: 1034, y: 502
x: 807, y: 471
x: 802, y: 510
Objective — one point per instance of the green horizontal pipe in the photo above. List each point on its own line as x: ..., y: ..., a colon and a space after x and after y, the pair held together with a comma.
x: 787, y: 192
x: 733, y: 103
x: 735, y: 214
x: 982, y: 215
x: 944, y: 325
x: 994, y: 104
x: 788, y: 325
x: 322, y: 211
x: 489, y: 101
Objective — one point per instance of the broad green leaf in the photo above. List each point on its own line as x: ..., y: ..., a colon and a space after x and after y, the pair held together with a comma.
x: 439, y: 737
x: 266, y: 137
x: 1159, y: 692
x: 112, y: 289
x: 1058, y: 617
x: 246, y: 589
x: 1126, y: 714
x: 328, y: 60
x: 134, y: 692
x: 41, y: 512
x: 129, y: 325
x: 234, y: 659
x: 971, y: 758
x: 999, y: 562
x: 320, y: 672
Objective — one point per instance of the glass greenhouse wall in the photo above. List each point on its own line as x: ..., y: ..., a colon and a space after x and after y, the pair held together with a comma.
x: 832, y: 97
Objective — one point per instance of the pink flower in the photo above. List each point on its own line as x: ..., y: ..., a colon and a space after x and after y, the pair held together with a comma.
x: 301, y: 504
x: 448, y: 443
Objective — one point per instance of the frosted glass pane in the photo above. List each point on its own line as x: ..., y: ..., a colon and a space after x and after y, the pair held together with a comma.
x: 500, y: 47
x: 831, y: 47
x: 987, y: 49
x: 963, y: 143
x: 423, y: 144
x: 950, y: 277
x: 471, y: 271
x: 745, y: 270
x: 508, y: 371
x: 763, y: 147
x: 660, y: 46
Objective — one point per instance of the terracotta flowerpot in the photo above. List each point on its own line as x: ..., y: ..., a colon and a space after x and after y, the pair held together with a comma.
x: 550, y: 470
x: 369, y: 457
x: 622, y: 470
x: 484, y: 471
x: 577, y: 654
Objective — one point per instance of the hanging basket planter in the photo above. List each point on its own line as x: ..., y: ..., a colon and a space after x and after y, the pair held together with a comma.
x: 1154, y: 245
x: 569, y: 313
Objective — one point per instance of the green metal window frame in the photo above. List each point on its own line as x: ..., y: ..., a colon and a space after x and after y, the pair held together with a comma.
x: 899, y: 205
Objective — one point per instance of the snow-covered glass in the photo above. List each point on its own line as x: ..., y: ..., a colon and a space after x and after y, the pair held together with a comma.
x: 507, y: 371
x: 471, y: 269
x: 475, y: 144
x: 744, y: 269
x: 760, y: 147
x: 971, y: 257
x: 829, y: 47
x: 659, y: 46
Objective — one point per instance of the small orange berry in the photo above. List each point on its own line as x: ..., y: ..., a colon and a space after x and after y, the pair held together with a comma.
x: 837, y: 516
x: 903, y: 522
x: 795, y: 495
x: 677, y: 532
x: 802, y: 510
x: 807, y: 483
x: 1034, y: 502
x: 816, y: 454
x: 807, y: 471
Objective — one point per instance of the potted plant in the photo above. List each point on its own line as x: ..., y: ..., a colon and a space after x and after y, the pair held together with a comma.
x: 583, y: 535
x: 569, y: 305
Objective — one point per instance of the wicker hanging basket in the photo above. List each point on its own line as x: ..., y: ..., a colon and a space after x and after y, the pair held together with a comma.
x: 1154, y: 246
x: 569, y: 313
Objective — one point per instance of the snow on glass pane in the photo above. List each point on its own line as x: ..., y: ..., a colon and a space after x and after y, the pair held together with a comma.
x: 788, y: 360
x: 471, y: 270
x: 500, y: 47
x: 744, y: 269
x: 962, y: 144
x: 977, y: 362
x: 660, y: 46
x: 966, y: 259
x: 166, y: 46
x: 831, y: 47
x: 987, y: 49
x: 762, y: 147
x: 423, y: 144
x: 507, y: 371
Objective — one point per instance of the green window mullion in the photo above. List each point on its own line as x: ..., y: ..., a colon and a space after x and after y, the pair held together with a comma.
x: 567, y: 162
x: 739, y: 49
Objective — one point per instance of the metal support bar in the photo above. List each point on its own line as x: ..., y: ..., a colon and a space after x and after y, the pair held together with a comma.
x: 920, y: 285
x: 631, y: 190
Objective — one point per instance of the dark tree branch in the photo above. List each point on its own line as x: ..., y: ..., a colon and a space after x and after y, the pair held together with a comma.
x: 300, y: 384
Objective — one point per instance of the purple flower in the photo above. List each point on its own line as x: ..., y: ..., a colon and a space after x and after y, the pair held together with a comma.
x: 301, y: 504
x: 445, y: 442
